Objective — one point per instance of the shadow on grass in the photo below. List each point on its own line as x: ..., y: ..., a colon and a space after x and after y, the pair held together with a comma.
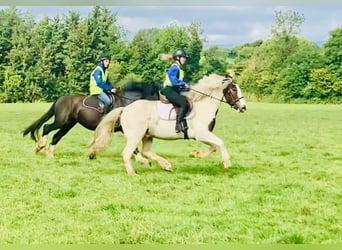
x: 210, y: 166
x: 212, y: 169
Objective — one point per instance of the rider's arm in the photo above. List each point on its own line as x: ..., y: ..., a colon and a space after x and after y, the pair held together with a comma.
x: 173, y: 74
x: 106, y: 86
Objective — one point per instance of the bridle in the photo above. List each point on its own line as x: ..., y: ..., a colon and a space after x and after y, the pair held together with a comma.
x: 229, y: 92
x: 225, y: 92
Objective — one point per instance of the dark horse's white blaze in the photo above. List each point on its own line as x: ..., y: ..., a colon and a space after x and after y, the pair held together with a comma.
x: 140, y: 122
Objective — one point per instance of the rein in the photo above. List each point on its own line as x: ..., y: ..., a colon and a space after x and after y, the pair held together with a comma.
x: 212, y: 97
x: 215, y: 98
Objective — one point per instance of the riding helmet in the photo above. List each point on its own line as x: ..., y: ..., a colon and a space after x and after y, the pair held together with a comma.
x: 178, y: 53
x: 105, y: 56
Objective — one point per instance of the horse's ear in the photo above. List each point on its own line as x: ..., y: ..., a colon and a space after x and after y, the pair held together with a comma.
x: 228, y: 79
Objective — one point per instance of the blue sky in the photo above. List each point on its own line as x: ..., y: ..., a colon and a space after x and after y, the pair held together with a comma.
x: 225, y: 26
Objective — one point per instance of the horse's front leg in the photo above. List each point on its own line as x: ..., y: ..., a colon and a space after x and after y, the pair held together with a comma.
x: 205, y: 153
x: 146, y: 151
x: 214, y: 141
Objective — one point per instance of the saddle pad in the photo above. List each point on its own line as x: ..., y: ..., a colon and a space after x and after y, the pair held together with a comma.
x: 93, y: 103
x: 166, y: 111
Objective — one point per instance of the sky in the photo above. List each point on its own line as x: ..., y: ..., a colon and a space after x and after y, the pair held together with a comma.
x: 224, y: 26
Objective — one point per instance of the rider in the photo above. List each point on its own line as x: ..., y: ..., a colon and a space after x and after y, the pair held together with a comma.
x: 174, y: 86
x: 100, y: 84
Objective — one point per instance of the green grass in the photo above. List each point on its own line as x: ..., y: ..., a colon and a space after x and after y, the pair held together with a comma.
x: 284, y: 185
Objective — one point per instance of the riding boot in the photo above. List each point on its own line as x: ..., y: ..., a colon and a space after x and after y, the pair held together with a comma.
x: 181, y: 124
x: 106, y: 110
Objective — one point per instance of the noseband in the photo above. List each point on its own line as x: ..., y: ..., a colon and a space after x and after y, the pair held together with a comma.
x: 228, y: 91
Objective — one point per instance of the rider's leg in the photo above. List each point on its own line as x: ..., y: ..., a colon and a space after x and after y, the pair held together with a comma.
x: 181, y: 124
x: 107, y: 101
x: 180, y: 101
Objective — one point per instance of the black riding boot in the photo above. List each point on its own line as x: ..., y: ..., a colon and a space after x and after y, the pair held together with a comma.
x: 181, y: 124
x: 106, y: 110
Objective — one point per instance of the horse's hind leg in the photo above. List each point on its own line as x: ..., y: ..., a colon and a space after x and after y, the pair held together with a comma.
x: 139, y: 158
x: 146, y: 151
x: 41, y: 143
x: 57, y: 137
x: 127, y: 154
x: 132, y: 142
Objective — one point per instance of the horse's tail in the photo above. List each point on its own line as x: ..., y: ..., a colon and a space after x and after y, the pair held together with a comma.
x: 35, y: 126
x: 103, y: 132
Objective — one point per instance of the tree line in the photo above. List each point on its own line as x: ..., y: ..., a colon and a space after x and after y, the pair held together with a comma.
x: 41, y: 61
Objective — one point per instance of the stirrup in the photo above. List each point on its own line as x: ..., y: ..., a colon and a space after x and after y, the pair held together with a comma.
x: 178, y: 128
x: 181, y: 126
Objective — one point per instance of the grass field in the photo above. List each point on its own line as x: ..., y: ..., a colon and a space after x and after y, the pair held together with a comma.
x: 284, y: 185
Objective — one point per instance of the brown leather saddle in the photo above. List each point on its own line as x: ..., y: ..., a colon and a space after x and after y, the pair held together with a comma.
x: 163, y: 99
x: 92, y: 102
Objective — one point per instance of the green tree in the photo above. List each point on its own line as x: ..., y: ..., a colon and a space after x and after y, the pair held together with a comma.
x: 287, y: 24
x: 324, y: 86
x: 77, y: 55
x: 142, y: 62
x: 265, y: 68
x: 214, y: 60
x: 8, y: 19
x: 333, y: 52
x: 295, y: 76
x: 104, y: 35
x: 148, y: 46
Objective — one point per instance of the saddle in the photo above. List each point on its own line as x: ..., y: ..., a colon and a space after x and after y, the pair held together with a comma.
x: 94, y: 103
x: 167, y: 111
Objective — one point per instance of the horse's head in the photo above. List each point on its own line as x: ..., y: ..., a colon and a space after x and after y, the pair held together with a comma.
x: 233, y: 95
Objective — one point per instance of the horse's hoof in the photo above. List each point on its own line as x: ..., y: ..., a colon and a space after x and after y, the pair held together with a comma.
x: 196, y: 154
x: 49, y: 156
x: 92, y: 156
x: 38, y: 149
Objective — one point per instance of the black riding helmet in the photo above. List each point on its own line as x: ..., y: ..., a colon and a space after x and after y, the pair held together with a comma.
x: 105, y: 56
x: 178, y: 53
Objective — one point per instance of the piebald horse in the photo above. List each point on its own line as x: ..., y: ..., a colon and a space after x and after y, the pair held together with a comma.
x: 141, y: 122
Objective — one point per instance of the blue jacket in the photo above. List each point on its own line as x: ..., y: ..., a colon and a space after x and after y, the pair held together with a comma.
x: 104, y: 84
x: 173, y: 74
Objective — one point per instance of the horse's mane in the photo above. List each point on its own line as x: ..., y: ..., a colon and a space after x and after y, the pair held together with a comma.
x: 146, y: 90
x: 205, y: 85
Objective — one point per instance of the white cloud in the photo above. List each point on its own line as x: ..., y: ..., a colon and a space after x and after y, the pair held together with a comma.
x: 259, y: 31
x: 222, y: 25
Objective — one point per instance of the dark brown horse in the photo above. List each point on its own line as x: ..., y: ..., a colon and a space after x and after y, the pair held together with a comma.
x: 85, y: 110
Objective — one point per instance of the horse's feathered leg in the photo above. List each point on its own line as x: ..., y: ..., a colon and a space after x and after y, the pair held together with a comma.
x: 133, y: 139
x: 41, y: 143
x: 58, y: 136
x: 146, y: 151
x: 215, y: 142
x: 103, y: 132
x: 127, y: 155
x: 139, y: 157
